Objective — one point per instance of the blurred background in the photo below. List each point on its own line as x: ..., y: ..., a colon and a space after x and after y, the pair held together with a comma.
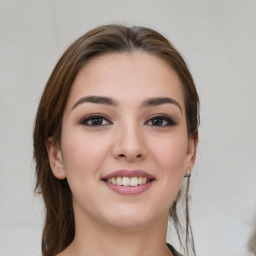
x: 217, y: 39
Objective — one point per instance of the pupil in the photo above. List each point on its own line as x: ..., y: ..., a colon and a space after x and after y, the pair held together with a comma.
x: 157, y: 121
x: 97, y: 121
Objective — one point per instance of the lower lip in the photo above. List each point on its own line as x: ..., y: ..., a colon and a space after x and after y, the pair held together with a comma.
x: 129, y: 190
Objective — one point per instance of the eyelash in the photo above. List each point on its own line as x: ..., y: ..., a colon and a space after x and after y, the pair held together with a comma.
x: 102, y: 118
x: 163, y: 118
x: 90, y: 118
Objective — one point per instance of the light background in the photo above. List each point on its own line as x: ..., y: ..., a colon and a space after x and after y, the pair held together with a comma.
x: 218, y: 40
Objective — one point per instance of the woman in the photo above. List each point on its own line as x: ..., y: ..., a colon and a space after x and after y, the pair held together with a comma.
x: 115, y: 134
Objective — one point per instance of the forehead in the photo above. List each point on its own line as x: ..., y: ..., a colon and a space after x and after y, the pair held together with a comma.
x: 124, y: 76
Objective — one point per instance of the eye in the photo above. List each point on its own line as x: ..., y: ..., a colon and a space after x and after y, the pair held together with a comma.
x: 95, y: 120
x: 161, y: 120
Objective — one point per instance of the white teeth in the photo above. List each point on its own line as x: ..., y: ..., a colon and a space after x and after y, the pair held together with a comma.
x: 126, y: 181
x: 119, y: 181
x: 134, y: 181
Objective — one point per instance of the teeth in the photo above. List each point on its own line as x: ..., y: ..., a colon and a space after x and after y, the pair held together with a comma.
x: 126, y: 181
x: 134, y: 181
x: 119, y: 181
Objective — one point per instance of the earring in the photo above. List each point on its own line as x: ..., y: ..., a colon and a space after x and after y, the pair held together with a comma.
x: 188, y: 174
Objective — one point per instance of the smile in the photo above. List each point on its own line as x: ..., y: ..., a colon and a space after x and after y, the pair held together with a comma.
x: 126, y: 181
x: 129, y: 182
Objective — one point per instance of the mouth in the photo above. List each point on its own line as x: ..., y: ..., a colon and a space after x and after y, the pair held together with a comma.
x: 127, y: 182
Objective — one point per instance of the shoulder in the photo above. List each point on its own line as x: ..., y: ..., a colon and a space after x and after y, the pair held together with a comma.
x: 174, y: 252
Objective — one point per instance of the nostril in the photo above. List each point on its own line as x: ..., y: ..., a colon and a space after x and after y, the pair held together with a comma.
x: 131, y: 156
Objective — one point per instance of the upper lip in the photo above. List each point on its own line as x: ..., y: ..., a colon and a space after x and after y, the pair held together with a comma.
x: 129, y: 174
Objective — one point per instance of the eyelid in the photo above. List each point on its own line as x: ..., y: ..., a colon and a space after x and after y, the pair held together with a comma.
x: 164, y: 117
x: 87, y: 118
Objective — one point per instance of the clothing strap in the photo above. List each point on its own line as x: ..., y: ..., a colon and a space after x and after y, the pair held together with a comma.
x: 174, y: 252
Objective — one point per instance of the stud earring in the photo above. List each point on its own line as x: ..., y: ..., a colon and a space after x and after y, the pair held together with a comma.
x: 188, y: 174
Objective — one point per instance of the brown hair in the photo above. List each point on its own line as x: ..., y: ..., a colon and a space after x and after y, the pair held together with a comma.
x: 59, y: 228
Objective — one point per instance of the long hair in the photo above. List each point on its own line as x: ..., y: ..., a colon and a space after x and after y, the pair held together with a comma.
x: 59, y: 227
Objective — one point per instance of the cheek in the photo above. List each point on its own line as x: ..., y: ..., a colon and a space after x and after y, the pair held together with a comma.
x: 170, y: 153
x: 82, y: 157
x: 170, y: 158
x: 82, y: 154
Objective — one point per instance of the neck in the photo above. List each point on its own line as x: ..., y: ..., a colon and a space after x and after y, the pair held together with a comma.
x: 93, y: 238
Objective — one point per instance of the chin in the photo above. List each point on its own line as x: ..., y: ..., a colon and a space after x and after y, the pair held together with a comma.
x: 128, y: 223
x: 130, y: 218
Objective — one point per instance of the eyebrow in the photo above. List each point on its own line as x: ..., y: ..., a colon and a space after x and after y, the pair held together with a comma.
x: 112, y: 102
x: 97, y: 100
x: 159, y: 101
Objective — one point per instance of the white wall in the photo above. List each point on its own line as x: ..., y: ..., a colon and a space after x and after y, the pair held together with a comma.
x: 218, y: 40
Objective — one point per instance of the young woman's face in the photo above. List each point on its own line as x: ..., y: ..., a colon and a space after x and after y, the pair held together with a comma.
x: 124, y: 145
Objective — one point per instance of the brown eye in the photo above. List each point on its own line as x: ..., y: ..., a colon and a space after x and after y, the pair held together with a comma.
x: 95, y: 120
x: 158, y: 122
x: 161, y: 120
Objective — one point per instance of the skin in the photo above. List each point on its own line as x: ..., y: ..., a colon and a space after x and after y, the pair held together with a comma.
x: 130, y: 137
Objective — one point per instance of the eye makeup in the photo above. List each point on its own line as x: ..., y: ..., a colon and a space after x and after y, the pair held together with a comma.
x: 161, y: 120
x: 95, y: 120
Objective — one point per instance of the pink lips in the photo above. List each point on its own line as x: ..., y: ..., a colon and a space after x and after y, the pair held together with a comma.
x: 129, y: 190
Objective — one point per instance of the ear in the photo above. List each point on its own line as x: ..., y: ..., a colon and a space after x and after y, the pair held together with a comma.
x: 191, y: 152
x: 55, y: 158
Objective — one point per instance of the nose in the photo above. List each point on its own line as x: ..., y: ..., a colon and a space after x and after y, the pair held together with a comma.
x: 129, y: 143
